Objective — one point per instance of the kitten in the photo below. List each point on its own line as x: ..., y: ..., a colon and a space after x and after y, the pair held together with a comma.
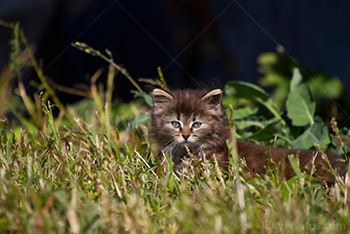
x: 194, y: 121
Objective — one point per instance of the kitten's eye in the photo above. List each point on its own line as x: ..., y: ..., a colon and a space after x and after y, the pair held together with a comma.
x: 175, y: 124
x: 196, y: 124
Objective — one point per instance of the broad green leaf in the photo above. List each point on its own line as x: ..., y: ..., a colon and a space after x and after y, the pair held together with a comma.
x: 300, y: 106
x: 252, y: 92
x: 317, y: 133
x: 245, y: 112
x: 245, y: 90
x: 140, y: 119
x: 146, y: 97
x: 264, y: 134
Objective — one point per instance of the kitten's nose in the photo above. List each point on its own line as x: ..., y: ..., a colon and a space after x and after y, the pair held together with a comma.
x: 185, y: 136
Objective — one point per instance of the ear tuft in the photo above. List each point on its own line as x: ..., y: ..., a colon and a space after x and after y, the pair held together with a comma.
x: 213, y: 97
x: 160, y: 97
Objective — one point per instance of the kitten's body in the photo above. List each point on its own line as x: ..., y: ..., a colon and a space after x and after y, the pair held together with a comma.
x: 196, y: 120
x: 256, y: 158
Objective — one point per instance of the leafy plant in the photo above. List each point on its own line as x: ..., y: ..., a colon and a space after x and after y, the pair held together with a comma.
x: 277, y: 69
x: 262, y: 120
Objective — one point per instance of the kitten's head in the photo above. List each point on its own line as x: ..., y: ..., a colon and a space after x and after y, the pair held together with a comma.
x: 186, y: 117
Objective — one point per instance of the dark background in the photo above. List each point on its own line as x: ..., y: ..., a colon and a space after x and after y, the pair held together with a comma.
x: 213, y: 41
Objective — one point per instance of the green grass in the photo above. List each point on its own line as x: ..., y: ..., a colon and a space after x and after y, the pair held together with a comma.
x: 92, y: 169
x: 78, y: 180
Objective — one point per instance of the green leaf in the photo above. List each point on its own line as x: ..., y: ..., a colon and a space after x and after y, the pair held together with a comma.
x: 172, y: 182
x: 252, y: 92
x: 146, y: 97
x: 300, y: 106
x: 243, y: 124
x: 264, y: 134
x: 294, y: 162
x: 268, y: 58
x: 296, y: 80
x: 245, y: 112
x: 139, y: 120
x: 317, y: 133
x: 245, y: 90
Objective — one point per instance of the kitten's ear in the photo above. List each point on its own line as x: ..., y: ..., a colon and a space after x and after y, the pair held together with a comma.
x: 213, y: 97
x: 160, y: 97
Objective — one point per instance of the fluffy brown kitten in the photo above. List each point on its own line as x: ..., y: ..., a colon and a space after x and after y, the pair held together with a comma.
x: 193, y: 119
x: 196, y: 119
